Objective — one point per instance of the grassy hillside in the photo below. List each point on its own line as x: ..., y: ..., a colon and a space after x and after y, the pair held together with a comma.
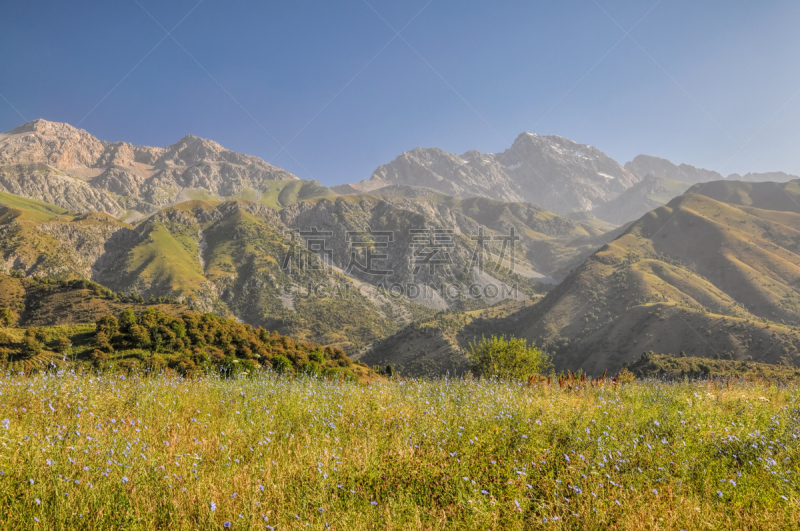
x: 696, y: 275
x: 40, y: 239
x: 47, y: 302
x: 228, y: 258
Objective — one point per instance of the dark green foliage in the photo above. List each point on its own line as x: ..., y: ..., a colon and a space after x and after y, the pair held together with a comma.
x: 6, y: 316
x: 195, y: 341
x: 30, y: 347
x: 62, y: 344
x: 102, y: 342
x: 127, y: 319
x: 108, y: 324
x: 99, y: 358
x: 281, y: 364
x: 309, y: 368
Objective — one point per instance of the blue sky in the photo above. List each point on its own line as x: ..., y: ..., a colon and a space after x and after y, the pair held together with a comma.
x: 713, y: 84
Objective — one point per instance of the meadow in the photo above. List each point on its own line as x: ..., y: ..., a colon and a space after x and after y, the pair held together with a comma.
x: 103, y: 451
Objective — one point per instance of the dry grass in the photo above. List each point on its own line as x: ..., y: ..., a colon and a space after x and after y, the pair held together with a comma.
x: 83, y: 451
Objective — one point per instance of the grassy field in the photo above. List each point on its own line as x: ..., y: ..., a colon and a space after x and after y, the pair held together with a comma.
x: 108, y: 452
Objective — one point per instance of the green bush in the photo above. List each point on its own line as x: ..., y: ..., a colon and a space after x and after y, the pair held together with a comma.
x: 6, y: 316
x: 310, y: 368
x: 62, y: 344
x: 281, y: 364
x: 30, y: 347
x: 510, y: 358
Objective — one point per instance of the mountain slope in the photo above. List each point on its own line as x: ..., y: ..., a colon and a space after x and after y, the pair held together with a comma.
x: 553, y: 172
x: 644, y: 196
x: 697, y: 275
x: 646, y: 165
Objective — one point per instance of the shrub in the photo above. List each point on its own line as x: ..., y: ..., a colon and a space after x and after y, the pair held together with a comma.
x: 127, y: 319
x: 101, y: 342
x: 108, y: 324
x: 62, y: 344
x: 281, y: 364
x: 6, y: 316
x: 310, y: 368
x: 625, y: 376
x: 5, y: 339
x: 99, y: 358
x: 30, y: 347
x: 155, y: 363
x: 510, y: 358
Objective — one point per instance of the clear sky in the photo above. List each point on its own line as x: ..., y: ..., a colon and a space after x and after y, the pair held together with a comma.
x: 327, y: 89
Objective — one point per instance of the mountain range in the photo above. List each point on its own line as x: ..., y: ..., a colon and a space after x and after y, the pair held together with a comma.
x: 608, y: 260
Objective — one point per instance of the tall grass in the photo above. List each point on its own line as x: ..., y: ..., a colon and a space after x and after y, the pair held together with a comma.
x: 105, y: 452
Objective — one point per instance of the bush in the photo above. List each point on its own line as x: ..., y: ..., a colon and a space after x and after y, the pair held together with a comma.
x: 108, y: 324
x: 155, y: 363
x: 310, y: 368
x: 625, y: 376
x: 101, y: 342
x: 281, y: 364
x: 127, y: 319
x: 5, y: 339
x: 6, y: 316
x: 510, y: 358
x: 62, y: 344
x: 30, y: 347
x: 99, y: 358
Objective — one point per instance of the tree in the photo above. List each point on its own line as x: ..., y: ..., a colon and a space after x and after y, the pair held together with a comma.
x: 6, y: 316
x: 30, y: 347
x: 62, y: 344
x: 101, y: 342
x: 510, y: 358
x: 126, y: 320
x: 139, y: 336
x: 108, y: 324
x: 99, y: 358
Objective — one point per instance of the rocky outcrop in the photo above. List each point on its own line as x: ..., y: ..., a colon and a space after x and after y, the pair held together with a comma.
x: 66, y: 166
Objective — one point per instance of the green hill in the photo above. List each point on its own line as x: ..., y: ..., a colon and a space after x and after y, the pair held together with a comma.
x: 697, y: 275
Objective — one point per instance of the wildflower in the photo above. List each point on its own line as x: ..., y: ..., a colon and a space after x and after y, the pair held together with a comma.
x: 38, y: 501
x: 213, y: 506
x: 373, y: 503
x: 124, y: 479
x: 227, y: 523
